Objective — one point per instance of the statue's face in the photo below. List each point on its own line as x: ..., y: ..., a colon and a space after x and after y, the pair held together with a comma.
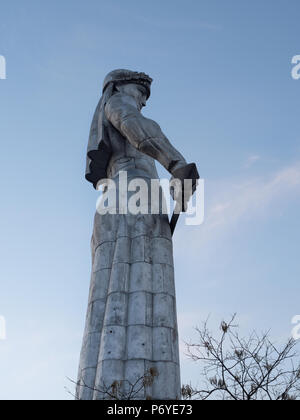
x: 138, y: 92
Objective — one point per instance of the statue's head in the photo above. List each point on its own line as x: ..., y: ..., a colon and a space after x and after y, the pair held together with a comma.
x: 135, y: 84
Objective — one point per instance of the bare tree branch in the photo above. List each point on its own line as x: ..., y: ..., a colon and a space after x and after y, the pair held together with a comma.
x: 235, y: 368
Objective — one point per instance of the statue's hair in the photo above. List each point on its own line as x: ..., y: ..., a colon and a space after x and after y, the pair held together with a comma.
x: 99, y: 152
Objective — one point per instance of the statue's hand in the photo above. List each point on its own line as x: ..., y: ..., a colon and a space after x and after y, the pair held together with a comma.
x: 183, y: 184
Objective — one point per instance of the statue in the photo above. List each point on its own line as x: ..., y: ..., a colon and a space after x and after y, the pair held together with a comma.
x: 130, y: 344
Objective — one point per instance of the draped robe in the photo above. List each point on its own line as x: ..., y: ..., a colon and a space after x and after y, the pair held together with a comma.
x: 131, y: 325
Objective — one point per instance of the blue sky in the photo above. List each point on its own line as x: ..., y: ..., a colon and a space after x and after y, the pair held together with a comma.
x: 223, y: 94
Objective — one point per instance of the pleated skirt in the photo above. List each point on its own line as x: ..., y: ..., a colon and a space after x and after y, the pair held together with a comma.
x: 130, y: 347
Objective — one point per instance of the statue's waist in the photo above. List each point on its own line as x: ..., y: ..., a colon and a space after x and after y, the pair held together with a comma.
x: 139, y: 167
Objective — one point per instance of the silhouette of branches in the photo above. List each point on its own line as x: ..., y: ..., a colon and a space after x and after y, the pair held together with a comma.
x: 235, y: 368
x: 120, y: 390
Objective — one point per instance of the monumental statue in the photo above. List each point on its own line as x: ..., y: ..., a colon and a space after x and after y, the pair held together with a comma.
x: 130, y: 345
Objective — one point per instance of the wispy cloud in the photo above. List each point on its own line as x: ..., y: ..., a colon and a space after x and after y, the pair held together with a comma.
x: 252, y: 159
x: 229, y: 202
x: 246, y: 199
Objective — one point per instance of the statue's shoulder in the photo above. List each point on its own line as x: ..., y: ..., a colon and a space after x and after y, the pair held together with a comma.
x: 119, y: 101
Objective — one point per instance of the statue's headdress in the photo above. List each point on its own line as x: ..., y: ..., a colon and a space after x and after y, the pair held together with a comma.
x: 128, y: 76
x: 99, y: 150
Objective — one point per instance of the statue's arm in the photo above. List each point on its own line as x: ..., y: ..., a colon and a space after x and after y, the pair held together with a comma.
x: 144, y: 134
